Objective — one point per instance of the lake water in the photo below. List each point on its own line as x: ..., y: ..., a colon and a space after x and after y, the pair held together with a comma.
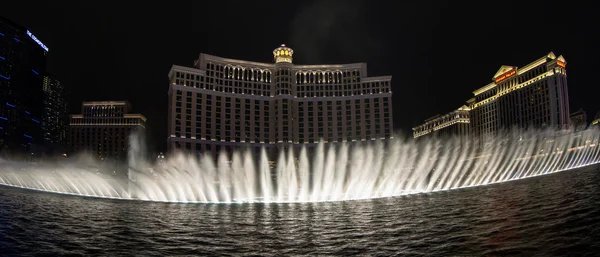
x: 551, y: 215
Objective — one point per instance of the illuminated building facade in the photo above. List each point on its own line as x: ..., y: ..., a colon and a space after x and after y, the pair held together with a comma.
x: 579, y: 120
x: 535, y: 95
x: 596, y: 121
x: 456, y: 123
x: 55, y: 125
x: 22, y: 67
x: 103, y: 129
x: 223, y: 104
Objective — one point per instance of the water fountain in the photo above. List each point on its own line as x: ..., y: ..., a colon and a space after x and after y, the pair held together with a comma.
x: 329, y: 173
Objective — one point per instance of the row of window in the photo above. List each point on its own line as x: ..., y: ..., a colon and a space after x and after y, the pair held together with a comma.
x: 215, y: 120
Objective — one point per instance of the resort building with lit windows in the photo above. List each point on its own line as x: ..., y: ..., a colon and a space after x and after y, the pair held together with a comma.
x: 456, y: 123
x: 224, y: 104
x: 579, y: 120
x: 103, y: 129
x: 533, y: 96
x: 596, y: 121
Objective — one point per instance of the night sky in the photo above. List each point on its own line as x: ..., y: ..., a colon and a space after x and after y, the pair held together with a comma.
x: 437, y: 52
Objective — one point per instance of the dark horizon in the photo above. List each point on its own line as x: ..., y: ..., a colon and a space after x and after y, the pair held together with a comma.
x: 437, y: 53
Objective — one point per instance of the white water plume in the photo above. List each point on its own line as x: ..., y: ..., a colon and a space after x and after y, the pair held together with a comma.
x: 327, y: 172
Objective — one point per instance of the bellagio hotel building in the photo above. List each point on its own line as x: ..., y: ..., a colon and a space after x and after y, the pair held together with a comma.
x: 223, y: 104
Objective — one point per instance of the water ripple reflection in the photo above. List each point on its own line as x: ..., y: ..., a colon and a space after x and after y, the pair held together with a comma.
x: 549, y: 215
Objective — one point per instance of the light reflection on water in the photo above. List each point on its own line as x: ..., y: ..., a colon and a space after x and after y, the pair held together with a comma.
x: 550, y: 215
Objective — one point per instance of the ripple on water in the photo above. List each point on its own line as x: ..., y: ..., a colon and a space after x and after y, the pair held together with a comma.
x: 542, y: 216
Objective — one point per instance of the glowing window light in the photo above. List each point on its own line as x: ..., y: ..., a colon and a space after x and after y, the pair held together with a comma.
x: 561, y: 64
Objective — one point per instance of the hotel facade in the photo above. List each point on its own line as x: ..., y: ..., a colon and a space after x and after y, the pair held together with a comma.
x: 22, y: 67
x: 456, y: 123
x: 534, y: 95
x: 224, y: 104
x: 103, y: 129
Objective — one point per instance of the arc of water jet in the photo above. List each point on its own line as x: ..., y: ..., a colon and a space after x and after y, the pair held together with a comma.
x: 265, y: 172
x: 317, y: 172
x: 303, y: 169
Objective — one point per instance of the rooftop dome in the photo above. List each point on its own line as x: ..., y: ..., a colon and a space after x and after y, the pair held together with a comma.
x: 283, y: 54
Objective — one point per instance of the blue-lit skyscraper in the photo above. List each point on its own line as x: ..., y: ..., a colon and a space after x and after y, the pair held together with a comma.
x: 22, y: 69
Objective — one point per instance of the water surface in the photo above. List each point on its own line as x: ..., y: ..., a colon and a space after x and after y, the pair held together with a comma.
x: 551, y: 215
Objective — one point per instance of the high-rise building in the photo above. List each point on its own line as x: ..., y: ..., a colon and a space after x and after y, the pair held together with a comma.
x: 103, y: 129
x: 55, y: 121
x: 456, y: 123
x: 22, y: 68
x: 579, y: 120
x: 533, y: 96
x: 220, y: 104
x: 596, y: 121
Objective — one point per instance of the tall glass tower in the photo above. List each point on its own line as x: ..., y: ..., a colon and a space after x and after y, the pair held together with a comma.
x: 22, y: 68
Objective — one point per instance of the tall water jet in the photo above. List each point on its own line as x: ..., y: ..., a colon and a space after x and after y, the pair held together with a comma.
x: 238, y: 178
x: 282, y: 179
x: 332, y: 172
x: 341, y: 166
x: 136, y: 160
x: 224, y: 177
x: 328, y: 174
x: 317, y: 172
x: 292, y: 177
x: 303, y: 169
x: 249, y: 176
x: 265, y: 177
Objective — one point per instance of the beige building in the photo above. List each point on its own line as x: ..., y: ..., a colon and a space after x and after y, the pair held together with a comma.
x: 596, y: 121
x: 103, y: 129
x: 534, y: 95
x: 456, y: 123
x: 222, y: 104
x: 579, y: 120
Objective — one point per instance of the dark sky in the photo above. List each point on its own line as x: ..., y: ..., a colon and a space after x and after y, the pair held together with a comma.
x: 438, y: 52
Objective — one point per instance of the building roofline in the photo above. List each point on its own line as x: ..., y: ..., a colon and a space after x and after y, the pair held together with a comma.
x: 484, y: 88
x: 189, y: 69
x: 208, y: 57
x: 90, y: 103
x: 519, y: 71
x: 134, y: 115
x: 358, y: 65
x: 377, y: 78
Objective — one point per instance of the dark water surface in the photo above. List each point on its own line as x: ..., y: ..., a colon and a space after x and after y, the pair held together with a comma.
x: 553, y: 215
